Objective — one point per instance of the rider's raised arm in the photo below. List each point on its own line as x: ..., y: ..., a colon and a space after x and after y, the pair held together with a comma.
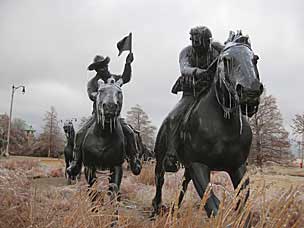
x: 92, y: 89
x: 126, y: 75
x: 184, y: 62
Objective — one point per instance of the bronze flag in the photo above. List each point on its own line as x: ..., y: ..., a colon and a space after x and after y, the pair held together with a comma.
x: 125, y: 44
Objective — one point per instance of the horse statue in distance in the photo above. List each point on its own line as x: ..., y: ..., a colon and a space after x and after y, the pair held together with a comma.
x: 69, y: 132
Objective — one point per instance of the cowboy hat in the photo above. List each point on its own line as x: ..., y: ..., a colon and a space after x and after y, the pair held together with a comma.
x: 99, y: 61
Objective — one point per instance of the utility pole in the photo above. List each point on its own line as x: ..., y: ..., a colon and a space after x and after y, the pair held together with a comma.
x: 302, y: 157
x: 10, y: 117
x: 51, y: 135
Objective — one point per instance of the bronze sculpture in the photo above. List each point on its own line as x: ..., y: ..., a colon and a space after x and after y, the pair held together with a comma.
x: 104, y: 144
x: 214, y: 134
x: 193, y: 60
x: 69, y: 132
x: 100, y: 65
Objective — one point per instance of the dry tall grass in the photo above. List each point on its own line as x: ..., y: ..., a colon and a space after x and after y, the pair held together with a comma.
x: 24, y: 205
x: 147, y: 174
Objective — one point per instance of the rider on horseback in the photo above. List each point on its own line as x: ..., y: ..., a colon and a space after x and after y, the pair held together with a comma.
x: 100, y: 65
x: 194, y: 61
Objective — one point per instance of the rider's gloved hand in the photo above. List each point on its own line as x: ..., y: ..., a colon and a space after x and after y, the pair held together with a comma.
x: 130, y: 58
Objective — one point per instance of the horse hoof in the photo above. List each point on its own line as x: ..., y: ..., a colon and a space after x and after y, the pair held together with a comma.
x: 136, y: 168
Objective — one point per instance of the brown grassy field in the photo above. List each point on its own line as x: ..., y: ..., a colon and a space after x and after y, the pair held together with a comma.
x: 33, y: 193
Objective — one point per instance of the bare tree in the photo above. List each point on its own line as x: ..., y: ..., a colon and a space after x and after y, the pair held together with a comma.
x: 270, y: 139
x: 19, y: 124
x: 298, y: 130
x: 51, y: 141
x: 140, y: 122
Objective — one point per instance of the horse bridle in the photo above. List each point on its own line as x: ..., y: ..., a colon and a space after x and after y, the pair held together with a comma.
x: 228, y: 86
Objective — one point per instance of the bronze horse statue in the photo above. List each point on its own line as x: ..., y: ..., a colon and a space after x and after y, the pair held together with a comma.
x: 215, y: 134
x: 104, y: 144
x: 69, y: 132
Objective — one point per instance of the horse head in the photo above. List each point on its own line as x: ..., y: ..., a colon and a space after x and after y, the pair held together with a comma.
x: 237, y: 79
x: 108, y: 102
x: 68, y: 129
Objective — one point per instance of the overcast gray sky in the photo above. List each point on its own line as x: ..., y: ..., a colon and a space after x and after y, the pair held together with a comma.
x: 47, y: 45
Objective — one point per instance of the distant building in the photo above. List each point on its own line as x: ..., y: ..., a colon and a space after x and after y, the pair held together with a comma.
x: 30, y: 134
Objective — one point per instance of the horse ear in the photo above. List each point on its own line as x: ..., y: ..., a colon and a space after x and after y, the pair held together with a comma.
x: 230, y: 37
x: 239, y: 33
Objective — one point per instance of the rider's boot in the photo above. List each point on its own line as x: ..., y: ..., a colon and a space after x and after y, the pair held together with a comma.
x: 134, y: 161
x: 132, y: 148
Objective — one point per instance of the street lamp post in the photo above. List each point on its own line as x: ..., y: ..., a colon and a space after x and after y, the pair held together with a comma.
x: 14, y: 88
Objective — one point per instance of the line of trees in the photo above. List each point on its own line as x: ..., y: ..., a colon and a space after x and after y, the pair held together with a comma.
x: 271, y: 141
x: 22, y: 141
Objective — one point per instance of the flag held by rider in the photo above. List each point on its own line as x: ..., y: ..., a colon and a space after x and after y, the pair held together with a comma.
x: 125, y: 44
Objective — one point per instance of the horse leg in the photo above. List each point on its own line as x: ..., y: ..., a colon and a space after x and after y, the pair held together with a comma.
x: 115, y: 180
x: 186, y: 180
x: 90, y: 175
x: 200, y: 175
x: 236, y: 177
x: 67, y: 164
x: 159, y: 181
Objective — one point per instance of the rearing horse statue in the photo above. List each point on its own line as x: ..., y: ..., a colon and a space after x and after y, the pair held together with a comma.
x: 215, y: 134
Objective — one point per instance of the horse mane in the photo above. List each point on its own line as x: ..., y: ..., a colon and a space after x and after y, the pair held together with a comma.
x: 238, y: 37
